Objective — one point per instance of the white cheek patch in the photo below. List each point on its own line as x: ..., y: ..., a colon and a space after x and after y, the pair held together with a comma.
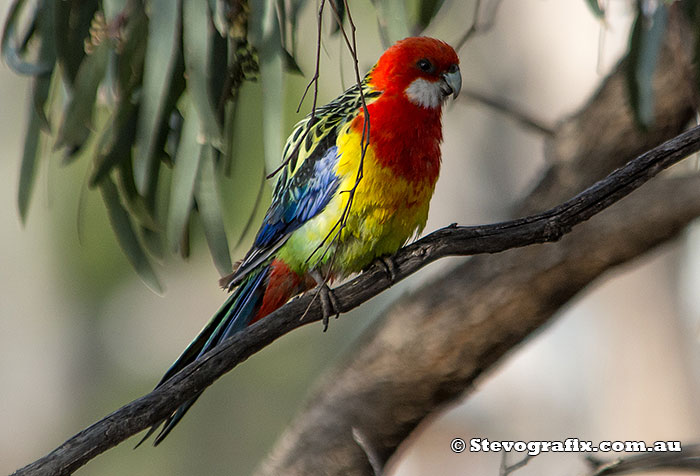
x: 424, y: 93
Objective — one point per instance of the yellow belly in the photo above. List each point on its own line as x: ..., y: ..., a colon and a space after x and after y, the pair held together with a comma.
x: 386, y: 211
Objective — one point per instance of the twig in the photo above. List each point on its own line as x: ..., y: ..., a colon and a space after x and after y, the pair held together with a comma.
x: 544, y: 227
x: 336, y: 230
x: 511, y: 111
x: 507, y: 469
x: 687, y: 458
x: 475, y: 27
x: 316, y: 76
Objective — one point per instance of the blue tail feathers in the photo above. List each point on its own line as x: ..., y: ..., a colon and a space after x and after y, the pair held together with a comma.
x: 236, y: 313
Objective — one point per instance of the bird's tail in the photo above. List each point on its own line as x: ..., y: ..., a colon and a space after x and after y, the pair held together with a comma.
x: 261, y: 292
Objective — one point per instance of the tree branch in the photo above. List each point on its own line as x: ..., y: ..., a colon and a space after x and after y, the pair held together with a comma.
x: 461, y: 324
x: 454, y: 240
x: 430, y: 348
x: 538, y: 280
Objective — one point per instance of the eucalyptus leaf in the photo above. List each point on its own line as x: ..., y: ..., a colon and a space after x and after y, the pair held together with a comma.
x: 47, y: 56
x: 134, y: 203
x: 77, y: 118
x: 229, y: 134
x: 209, y: 207
x: 596, y: 8
x: 187, y: 161
x: 127, y: 237
x: 340, y: 8
x: 114, y: 146
x: 645, y: 43
x: 32, y: 150
x: 392, y: 20
x: 197, y: 49
x: 162, y: 70
x: 13, y: 50
x: 287, y: 17
x: 72, y: 27
x: 272, y: 80
x: 427, y: 9
x: 131, y: 50
x: 218, y: 75
x: 290, y: 63
x: 37, y: 122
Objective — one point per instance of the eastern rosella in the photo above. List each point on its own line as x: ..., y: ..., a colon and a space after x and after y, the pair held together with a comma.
x: 298, y: 241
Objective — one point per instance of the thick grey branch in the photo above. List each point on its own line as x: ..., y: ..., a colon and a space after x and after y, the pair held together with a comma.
x: 688, y: 458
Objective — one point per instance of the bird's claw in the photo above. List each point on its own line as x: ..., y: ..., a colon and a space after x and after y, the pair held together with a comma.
x: 389, y: 266
x: 329, y: 304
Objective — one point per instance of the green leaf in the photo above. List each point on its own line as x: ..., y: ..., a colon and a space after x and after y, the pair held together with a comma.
x: 32, y: 151
x: 114, y: 150
x: 287, y: 14
x: 77, y: 117
x: 645, y: 43
x: 131, y: 51
x: 37, y: 117
x: 72, y: 27
x: 392, y: 20
x: 162, y: 76
x: 134, y: 203
x: 13, y: 50
x: 187, y: 161
x: 266, y: 37
x: 209, y: 207
x: 596, y: 8
x: 114, y: 145
x: 340, y: 8
x: 47, y: 55
x: 229, y: 134
x: 244, y: 184
x: 127, y: 237
x: 197, y: 49
x: 427, y: 9
x: 290, y: 63
x: 218, y: 73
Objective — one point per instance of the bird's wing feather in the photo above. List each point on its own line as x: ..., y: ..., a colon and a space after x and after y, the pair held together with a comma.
x: 308, y: 181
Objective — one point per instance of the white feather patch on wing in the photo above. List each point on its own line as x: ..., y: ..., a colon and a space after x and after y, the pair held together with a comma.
x: 424, y: 93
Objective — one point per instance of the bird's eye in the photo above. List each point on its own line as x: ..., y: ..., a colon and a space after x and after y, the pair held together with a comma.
x: 453, y: 68
x: 425, y: 65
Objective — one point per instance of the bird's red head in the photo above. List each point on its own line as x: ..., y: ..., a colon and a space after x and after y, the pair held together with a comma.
x: 424, y: 69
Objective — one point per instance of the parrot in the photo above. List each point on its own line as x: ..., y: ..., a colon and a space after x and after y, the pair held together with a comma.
x: 355, y: 185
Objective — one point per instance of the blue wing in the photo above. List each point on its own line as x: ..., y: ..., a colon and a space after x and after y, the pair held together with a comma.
x: 305, y: 195
x: 301, y: 198
x: 307, y: 183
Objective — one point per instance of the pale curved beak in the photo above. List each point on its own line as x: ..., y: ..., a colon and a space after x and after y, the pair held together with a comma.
x: 452, y: 82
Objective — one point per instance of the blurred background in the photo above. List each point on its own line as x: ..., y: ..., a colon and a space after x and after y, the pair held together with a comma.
x: 81, y: 335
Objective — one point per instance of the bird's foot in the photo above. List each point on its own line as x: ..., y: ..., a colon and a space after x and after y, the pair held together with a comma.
x: 389, y: 266
x: 329, y: 303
